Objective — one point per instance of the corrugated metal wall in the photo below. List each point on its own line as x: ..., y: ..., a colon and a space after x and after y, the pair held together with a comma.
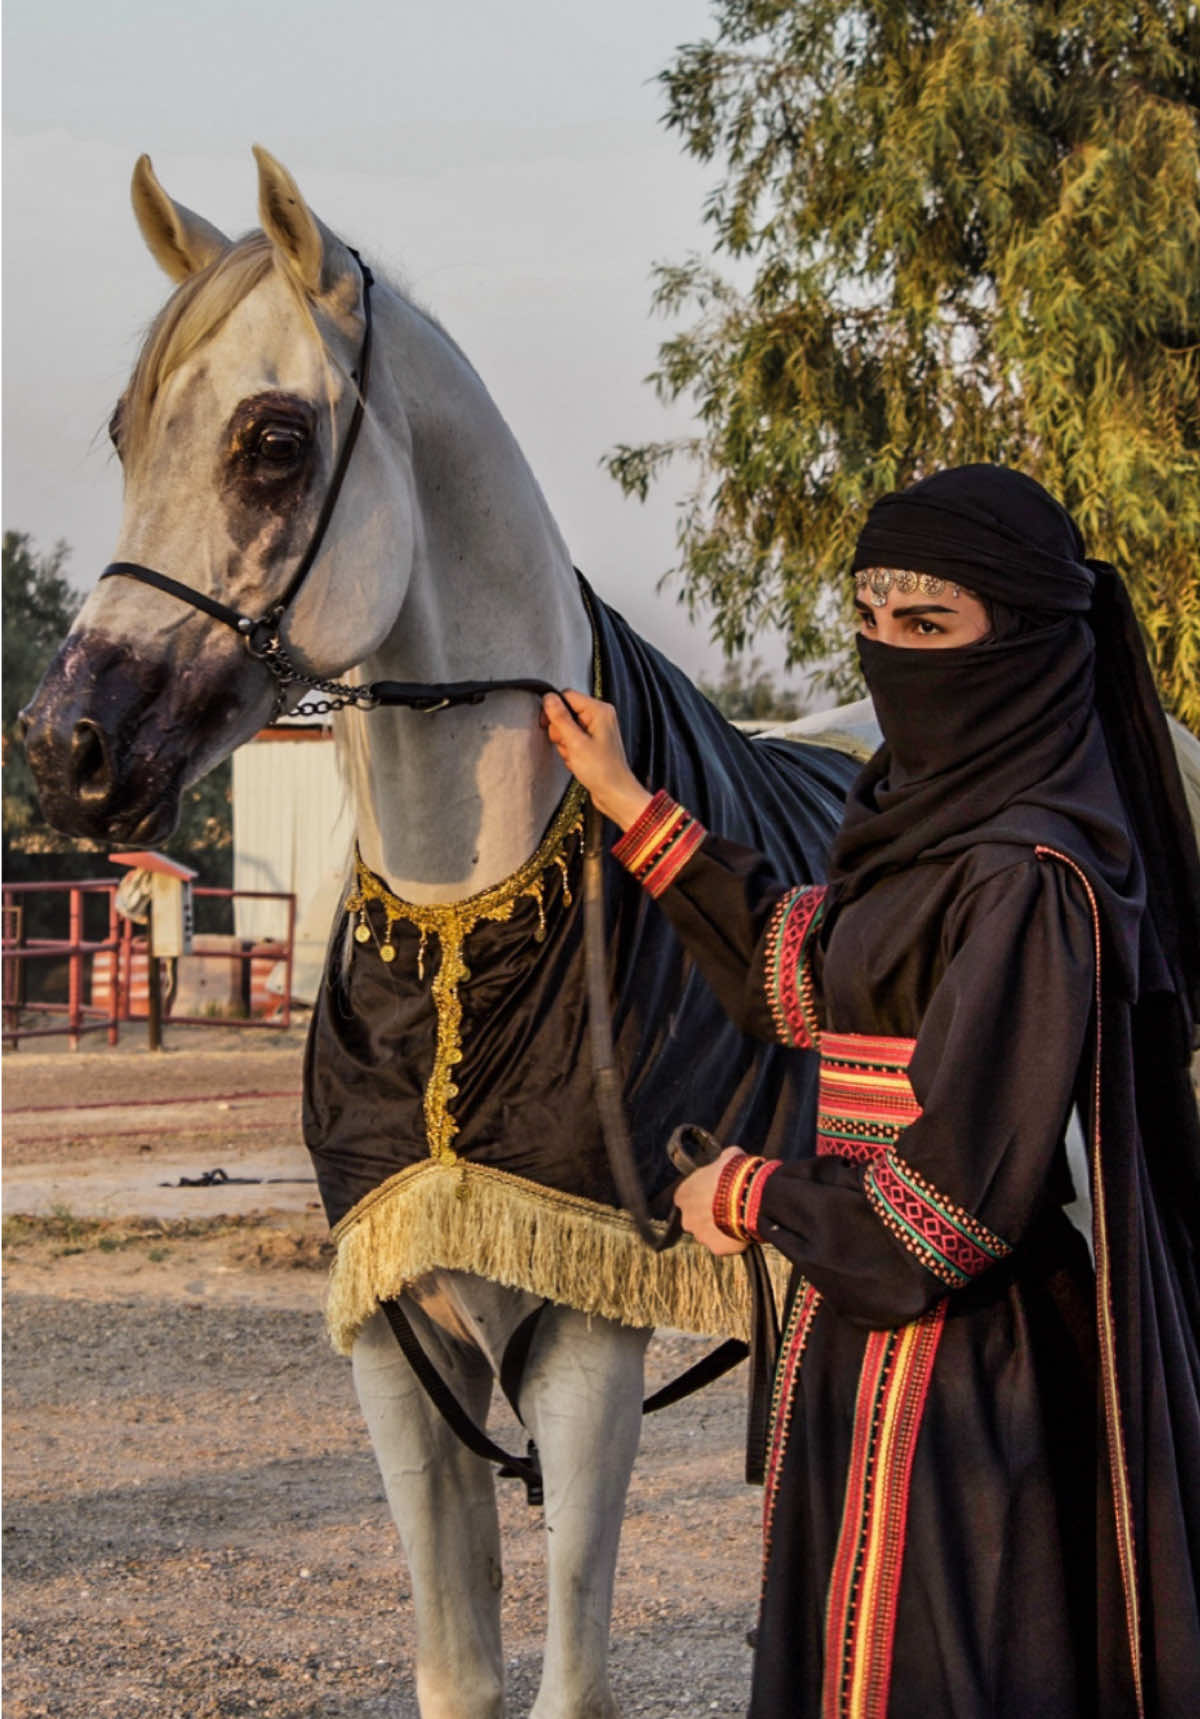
x: 292, y: 830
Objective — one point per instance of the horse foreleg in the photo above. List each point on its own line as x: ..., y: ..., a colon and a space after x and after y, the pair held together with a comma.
x: 443, y: 1502
x: 581, y: 1398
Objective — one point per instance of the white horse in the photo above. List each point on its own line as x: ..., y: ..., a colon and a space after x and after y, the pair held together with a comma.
x: 442, y: 562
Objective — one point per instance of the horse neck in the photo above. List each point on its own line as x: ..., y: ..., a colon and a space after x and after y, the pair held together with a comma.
x: 451, y: 803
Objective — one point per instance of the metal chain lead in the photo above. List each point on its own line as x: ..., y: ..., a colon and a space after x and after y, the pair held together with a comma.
x: 343, y: 695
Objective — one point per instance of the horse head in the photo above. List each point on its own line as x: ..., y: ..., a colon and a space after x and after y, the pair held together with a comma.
x: 228, y: 435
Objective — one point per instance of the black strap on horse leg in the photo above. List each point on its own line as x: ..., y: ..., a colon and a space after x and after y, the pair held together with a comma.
x: 526, y: 1468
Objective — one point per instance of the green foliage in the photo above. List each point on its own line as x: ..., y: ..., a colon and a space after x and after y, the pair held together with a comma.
x: 39, y: 605
x: 749, y: 694
x: 962, y: 230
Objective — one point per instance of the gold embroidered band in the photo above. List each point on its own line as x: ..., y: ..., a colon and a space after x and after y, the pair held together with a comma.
x: 452, y: 922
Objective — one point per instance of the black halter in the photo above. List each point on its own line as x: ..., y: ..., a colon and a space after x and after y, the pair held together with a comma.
x: 261, y: 635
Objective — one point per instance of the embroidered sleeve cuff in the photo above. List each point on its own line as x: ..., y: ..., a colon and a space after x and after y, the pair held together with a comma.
x: 729, y: 1200
x: 951, y: 1243
x: 657, y: 846
x: 754, y: 1194
x: 787, y: 966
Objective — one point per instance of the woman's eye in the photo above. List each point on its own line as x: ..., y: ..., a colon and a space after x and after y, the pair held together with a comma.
x: 928, y: 629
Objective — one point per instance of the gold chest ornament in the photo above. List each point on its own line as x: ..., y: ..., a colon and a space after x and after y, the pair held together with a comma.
x: 452, y: 923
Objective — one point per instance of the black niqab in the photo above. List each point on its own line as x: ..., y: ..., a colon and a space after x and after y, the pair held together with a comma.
x: 1060, y: 725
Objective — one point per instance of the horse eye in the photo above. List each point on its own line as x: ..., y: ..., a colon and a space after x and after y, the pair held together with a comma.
x: 280, y: 446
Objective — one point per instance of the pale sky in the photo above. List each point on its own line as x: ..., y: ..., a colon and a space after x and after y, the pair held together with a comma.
x: 508, y: 161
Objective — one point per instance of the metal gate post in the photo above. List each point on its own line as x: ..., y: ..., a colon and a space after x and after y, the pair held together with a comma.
x: 114, y: 991
x: 75, y: 969
x: 154, y: 999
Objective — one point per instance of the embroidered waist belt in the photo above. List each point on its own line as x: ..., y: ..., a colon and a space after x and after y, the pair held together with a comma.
x: 865, y: 1101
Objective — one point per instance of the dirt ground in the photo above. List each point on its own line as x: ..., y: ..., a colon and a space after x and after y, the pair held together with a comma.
x: 194, y: 1526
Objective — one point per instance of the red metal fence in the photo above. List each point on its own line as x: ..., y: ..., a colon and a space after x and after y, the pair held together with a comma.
x: 81, y: 1017
x: 113, y: 971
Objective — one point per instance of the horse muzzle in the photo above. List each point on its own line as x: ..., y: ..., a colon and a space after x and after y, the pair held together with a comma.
x: 105, y: 745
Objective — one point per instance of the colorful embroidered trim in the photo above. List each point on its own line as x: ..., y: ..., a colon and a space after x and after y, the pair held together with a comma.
x: 1118, y: 1461
x: 865, y: 1101
x: 783, y: 1397
x: 864, y: 1588
x: 752, y: 1204
x: 787, y: 966
x: 659, y: 843
x: 952, y: 1244
x: 729, y: 1198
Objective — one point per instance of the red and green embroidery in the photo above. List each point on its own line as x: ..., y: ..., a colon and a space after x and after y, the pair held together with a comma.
x: 865, y: 1101
x: 953, y: 1245
x: 787, y: 966
x: 791, y: 1353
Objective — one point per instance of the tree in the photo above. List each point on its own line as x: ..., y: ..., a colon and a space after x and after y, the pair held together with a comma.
x: 39, y: 606
x: 749, y: 694
x: 962, y: 230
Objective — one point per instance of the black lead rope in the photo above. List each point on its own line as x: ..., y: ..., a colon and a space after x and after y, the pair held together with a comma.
x: 606, y: 1078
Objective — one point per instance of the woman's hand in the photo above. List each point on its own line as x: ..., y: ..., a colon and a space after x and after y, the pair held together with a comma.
x: 694, y: 1197
x: 585, y: 734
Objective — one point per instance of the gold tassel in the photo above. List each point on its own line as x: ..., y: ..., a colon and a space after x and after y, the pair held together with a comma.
x: 469, y: 1217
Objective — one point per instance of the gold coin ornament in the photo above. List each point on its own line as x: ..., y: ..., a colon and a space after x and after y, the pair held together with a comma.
x: 387, y: 953
x: 876, y: 582
x: 362, y: 932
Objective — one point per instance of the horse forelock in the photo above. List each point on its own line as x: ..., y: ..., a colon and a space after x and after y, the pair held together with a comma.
x: 193, y: 315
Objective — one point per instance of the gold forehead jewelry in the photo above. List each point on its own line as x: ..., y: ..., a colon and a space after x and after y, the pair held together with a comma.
x: 878, y: 581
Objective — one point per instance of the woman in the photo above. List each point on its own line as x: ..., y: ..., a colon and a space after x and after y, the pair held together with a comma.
x: 983, y: 1487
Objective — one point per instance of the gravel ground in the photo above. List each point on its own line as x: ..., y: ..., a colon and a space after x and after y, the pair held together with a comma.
x: 194, y: 1526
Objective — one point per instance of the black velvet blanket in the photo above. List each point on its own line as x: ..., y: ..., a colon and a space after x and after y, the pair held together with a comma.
x: 520, y: 1100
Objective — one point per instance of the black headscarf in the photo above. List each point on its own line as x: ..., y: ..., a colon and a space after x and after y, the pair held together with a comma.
x: 1053, y: 734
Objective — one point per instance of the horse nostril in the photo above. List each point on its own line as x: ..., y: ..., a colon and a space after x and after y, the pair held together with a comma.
x: 91, y: 767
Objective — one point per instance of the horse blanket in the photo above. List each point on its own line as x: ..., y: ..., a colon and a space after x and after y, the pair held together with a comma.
x: 447, y: 1102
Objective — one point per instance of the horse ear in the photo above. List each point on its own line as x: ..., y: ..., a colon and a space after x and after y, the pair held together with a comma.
x: 316, y: 255
x: 180, y: 243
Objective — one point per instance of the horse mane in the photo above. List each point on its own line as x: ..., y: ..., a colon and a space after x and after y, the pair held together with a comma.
x: 192, y: 315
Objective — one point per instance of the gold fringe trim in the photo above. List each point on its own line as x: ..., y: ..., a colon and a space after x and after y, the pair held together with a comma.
x: 469, y: 1217
x: 452, y: 922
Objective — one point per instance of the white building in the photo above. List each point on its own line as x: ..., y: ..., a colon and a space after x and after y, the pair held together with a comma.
x: 292, y: 831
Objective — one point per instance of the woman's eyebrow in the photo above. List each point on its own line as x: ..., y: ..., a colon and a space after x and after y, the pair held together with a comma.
x: 923, y: 609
